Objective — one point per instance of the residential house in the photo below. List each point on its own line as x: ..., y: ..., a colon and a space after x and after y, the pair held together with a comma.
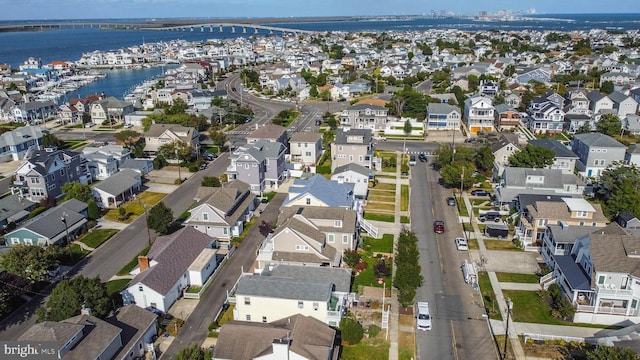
x: 516, y: 181
x: 143, y: 166
x: 507, y: 145
x: 479, y: 114
x: 507, y: 118
x: 563, y: 159
x: 357, y: 175
x: 627, y: 220
x: 101, y: 162
x: 284, y: 290
x: 632, y: 155
x: 364, y: 116
x: 635, y: 94
x: 270, y: 132
x: 631, y: 124
x: 441, y: 116
x: 33, y: 112
x: 110, y: 109
x: 599, y: 102
x: 48, y: 228
x: 352, y: 146
x: 222, y: 211
x: 489, y: 88
x: 596, y: 152
x: 624, y: 104
x: 320, y: 191
x: 567, y: 212
x: 294, y: 337
x: 43, y: 175
x: 15, y: 144
x: 161, y: 134
x: 305, y: 148
x: 173, y: 263
x: 126, y: 335
x: 617, y: 78
x: 259, y: 164
x: 545, y: 114
x: 117, y: 189
x: 14, y: 208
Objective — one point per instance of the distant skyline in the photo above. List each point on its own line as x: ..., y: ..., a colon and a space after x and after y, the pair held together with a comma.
x: 103, y: 9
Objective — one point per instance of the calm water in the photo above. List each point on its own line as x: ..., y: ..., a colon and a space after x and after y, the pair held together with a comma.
x: 69, y: 44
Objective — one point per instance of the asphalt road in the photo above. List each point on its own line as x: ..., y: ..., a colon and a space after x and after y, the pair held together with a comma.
x: 114, y: 254
x: 194, y: 330
x: 460, y: 331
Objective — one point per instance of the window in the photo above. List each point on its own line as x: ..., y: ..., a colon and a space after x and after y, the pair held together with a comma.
x: 315, y: 306
x: 337, y: 223
x: 300, y: 304
x: 601, y: 279
x: 331, y: 238
x: 247, y: 300
x: 308, y: 201
x: 302, y: 247
x: 140, y: 288
x: 345, y: 239
x: 205, y: 217
x: 224, y: 231
x: 248, y: 317
x: 339, y: 147
x: 581, y: 213
x: 28, y: 241
x: 264, y: 319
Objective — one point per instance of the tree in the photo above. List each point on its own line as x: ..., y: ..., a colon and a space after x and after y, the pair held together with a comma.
x: 330, y: 120
x: 193, y: 352
x: 607, y: 87
x: 70, y: 296
x: 265, y: 228
x: 218, y: 137
x: 168, y: 151
x: 127, y: 137
x: 609, y: 124
x: 92, y: 210
x: 612, y: 353
x: 484, y: 158
x: 210, y: 181
x: 620, y: 189
x: 178, y: 107
x: 51, y: 140
x: 313, y: 92
x: 584, y: 129
x: 351, y: 330
x: 532, y: 157
x: 407, y: 278
x: 78, y: 191
x: 31, y: 262
x: 160, y: 218
x: 406, y: 128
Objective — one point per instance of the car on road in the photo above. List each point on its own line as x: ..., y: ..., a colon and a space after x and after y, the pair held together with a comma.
x: 88, y: 125
x: 209, y: 156
x: 342, y: 100
x: 490, y: 215
x: 412, y: 160
x: 480, y: 193
x: 461, y: 244
x: 438, y: 226
x: 128, y: 126
x: 203, y: 166
x: 423, y: 317
x: 379, y: 138
x: 451, y: 201
x: 318, y: 122
x: 422, y: 157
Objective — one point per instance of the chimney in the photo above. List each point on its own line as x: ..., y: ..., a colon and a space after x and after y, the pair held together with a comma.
x: 281, y: 348
x: 143, y: 262
x: 85, y: 310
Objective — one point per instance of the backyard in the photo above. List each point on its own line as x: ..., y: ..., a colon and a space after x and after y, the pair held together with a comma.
x: 134, y: 208
x: 381, y: 203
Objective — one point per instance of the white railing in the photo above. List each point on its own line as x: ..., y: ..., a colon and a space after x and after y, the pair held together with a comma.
x: 546, y: 285
x: 532, y: 248
x: 601, y: 310
x: 542, y: 337
x: 547, y: 277
x: 206, y: 284
x: 600, y: 290
x: 368, y: 227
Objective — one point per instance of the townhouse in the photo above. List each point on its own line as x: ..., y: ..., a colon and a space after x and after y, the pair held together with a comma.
x: 596, y: 152
x: 479, y: 114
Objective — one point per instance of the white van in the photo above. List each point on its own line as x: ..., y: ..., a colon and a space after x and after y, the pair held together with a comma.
x: 412, y: 160
x: 423, y: 316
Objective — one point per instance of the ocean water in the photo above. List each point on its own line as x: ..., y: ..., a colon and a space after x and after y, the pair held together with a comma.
x: 69, y: 44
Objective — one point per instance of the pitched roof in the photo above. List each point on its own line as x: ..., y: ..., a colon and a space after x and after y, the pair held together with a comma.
x: 319, y: 215
x: 49, y: 225
x: 439, y: 108
x: 332, y: 193
x: 156, y: 130
x: 134, y: 322
x: 98, y: 334
x: 504, y: 140
x: 353, y: 167
x: 58, y: 332
x: 173, y: 254
x: 556, y: 146
x: 613, y: 249
x: 598, y: 140
x: 310, y: 338
x: 20, y: 135
x: 13, y: 205
x: 349, y: 136
x: 270, y: 131
x: 285, y: 288
x: 340, y: 277
x: 306, y: 137
x: 119, y: 182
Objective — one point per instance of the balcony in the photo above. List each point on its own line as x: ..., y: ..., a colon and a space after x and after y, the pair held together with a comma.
x: 609, y: 290
x: 601, y: 309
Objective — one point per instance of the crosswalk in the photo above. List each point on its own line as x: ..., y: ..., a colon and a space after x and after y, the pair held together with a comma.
x: 420, y: 152
x: 239, y: 132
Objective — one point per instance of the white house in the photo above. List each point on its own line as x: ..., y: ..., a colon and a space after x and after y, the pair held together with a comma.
x: 355, y: 174
x: 479, y: 114
x: 305, y: 147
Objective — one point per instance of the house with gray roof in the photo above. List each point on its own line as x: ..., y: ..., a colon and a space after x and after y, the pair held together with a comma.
x: 285, y: 290
x: 516, y: 181
x: 160, y: 134
x: 259, y: 164
x: 364, y: 116
x: 305, y: 148
x: 623, y: 104
x: 441, y: 116
x: 357, y: 175
x: 320, y: 191
x: 15, y: 208
x: 632, y: 155
x: 353, y: 146
x: 33, y: 112
x: 223, y: 210
x: 118, y: 188
x: 294, y: 337
x: 110, y: 108
x: 16, y: 143
x: 507, y: 145
x: 631, y: 124
x: 599, y: 102
x: 143, y: 166
x: 174, y: 262
x: 104, y: 161
x: 49, y: 228
x: 564, y: 159
x: 596, y: 152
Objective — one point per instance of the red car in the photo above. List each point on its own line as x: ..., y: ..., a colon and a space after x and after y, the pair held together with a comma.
x: 438, y: 226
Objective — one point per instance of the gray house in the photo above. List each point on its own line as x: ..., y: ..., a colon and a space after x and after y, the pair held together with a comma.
x: 14, y: 208
x: 352, y: 146
x: 270, y: 132
x: 564, y: 158
x: 355, y: 174
x: 623, y: 104
x: 14, y: 144
x: 596, y: 152
x: 259, y: 164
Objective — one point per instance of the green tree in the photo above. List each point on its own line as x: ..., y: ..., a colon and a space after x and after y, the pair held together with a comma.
x: 313, y: 92
x: 509, y: 70
x: 193, y: 352
x: 474, y: 82
x: 177, y: 107
x: 92, y: 210
x: 78, y: 191
x: 31, y: 262
x: 406, y: 128
x: 452, y: 174
x: 407, y: 278
x: 609, y: 124
x: 607, y: 87
x: 127, y: 137
x: 160, y: 218
x: 168, y: 151
x: 485, y: 158
x: 532, y: 157
x: 69, y: 296
x: 620, y: 190
x: 584, y: 129
x: 210, y: 181
x: 351, y: 330
x: 330, y: 120
x: 218, y: 137
x: 612, y: 353
x: 51, y: 140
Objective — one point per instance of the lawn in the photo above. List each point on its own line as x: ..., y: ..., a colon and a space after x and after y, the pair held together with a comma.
x: 462, y: 207
x: 405, y: 220
x: 473, y: 244
x: 136, y: 207
x: 517, y: 278
x: 488, y: 296
x: 382, y: 196
x: 97, y: 237
x: 385, y: 186
x: 379, y: 217
x: 115, y: 286
x: 368, y: 277
x: 384, y: 245
x: 367, y: 349
x: 133, y: 263
x: 380, y: 206
x: 404, y: 197
x: 500, y: 245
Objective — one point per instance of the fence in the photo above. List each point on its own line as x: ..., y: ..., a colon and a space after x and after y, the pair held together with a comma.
x: 542, y: 337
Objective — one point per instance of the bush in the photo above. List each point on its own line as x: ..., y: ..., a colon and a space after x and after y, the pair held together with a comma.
x: 36, y: 211
x: 381, y: 268
x: 351, y: 257
x: 361, y: 266
x: 193, y: 168
x: 352, y: 332
x: 210, y: 181
x: 373, y: 330
x: 177, y: 182
x: 324, y: 169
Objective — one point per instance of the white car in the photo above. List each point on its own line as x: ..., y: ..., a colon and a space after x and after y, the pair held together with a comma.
x: 461, y: 244
x: 423, y: 316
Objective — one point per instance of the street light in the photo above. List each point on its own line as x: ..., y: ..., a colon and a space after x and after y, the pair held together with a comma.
x: 506, y: 334
x: 63, y: 218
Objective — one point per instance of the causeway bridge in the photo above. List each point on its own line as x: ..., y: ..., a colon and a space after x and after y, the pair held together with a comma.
x: 219, y: 27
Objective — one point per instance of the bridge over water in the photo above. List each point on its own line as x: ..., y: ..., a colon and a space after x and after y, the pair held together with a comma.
x: 211, y: 27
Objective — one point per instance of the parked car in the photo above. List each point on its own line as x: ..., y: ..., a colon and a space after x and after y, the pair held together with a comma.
x: 480, y: 193
x: 128, y: 126
x: 423, y: 317
x: 451, y: 201
x: 490, y: 215
x: 318, y: 122
x: 438, y: 226
x: 422, y: 157
x: 209, y: 156
x: 203, y: 166
x: 88, y: 125
x: 500, y: 231
x: 461, y: 244
x: 412, y: 160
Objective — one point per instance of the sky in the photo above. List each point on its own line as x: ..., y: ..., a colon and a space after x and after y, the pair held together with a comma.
x: 107, y: 9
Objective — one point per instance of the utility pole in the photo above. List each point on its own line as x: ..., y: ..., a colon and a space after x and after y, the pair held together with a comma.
x: 506, y: 334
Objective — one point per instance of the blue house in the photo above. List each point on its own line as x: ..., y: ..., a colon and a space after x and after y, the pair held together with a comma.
x: 52, y: 226
x: 14, y: 144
